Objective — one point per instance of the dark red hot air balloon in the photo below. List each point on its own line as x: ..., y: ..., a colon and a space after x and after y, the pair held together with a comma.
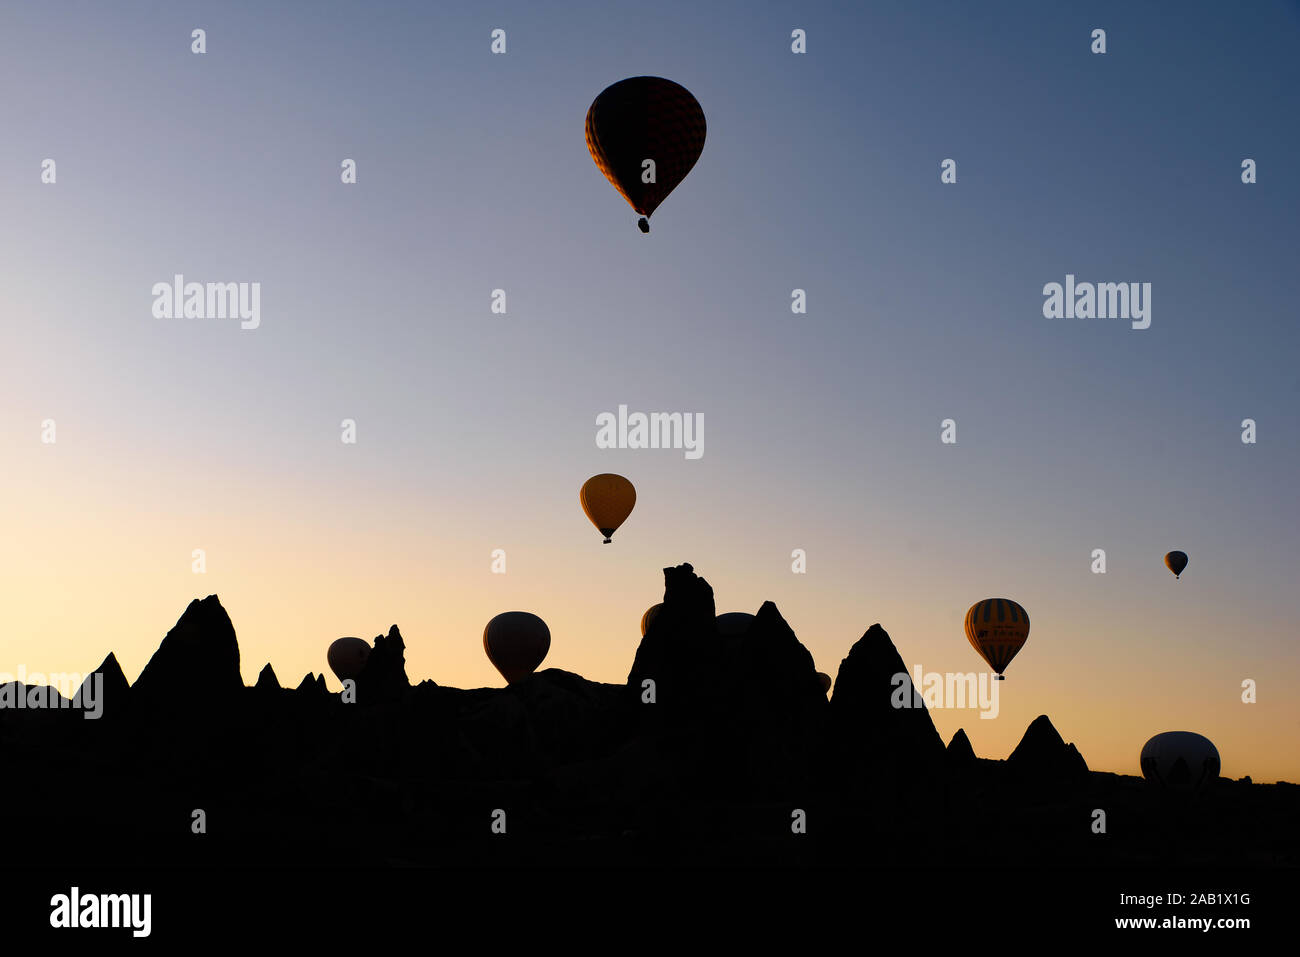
x: 1176, y: 562
x: 516, y: 642
x: 645, y: 133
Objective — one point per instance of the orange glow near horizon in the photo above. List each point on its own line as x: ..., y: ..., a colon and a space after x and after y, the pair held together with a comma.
x: 292, y: 582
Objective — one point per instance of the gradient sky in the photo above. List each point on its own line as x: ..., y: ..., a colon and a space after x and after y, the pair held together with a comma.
x: 475, y: 431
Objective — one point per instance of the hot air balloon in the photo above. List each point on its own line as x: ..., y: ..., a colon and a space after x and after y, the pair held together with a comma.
x: 997, y: 629
x: 607, y: 499
x: 641, y: 121
x: 733, y: 623
x: 824, y: 680
x: 347, y: 656
x: 1180, y: 762
x: 516, y: 642
x: 650, y: 615
x: 1176, y: 562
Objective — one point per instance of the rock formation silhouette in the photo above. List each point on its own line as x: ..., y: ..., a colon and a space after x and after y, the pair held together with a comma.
x: 266, y: 679
x: 871, y: 680
x: 1043, y: 756
x: 384, y: 676
x: 710, y: 753
x: 197, y: 664
x: 114, y: 688
x: 960, y: 752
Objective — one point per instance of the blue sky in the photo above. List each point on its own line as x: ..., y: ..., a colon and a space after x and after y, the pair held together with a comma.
x: 820, y: 172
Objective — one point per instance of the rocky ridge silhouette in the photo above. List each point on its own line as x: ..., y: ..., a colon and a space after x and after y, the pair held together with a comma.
x: 709, y: 753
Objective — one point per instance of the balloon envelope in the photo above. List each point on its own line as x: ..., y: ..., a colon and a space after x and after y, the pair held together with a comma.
x: 997, y: 628
x: 1176, y: 562
x: 607, y: 499
x: 645, y: 118
x: 347, y: 657
x: 1181, y: 762
x: 734, y: 623
x: 650, y: 615
x: 824, y: 680
x: 516, y: 642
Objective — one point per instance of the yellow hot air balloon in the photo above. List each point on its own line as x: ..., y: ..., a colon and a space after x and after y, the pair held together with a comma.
x: 997, y: 629
x: 516, y: 642
x: 650, y: 615
x: 607, y: 499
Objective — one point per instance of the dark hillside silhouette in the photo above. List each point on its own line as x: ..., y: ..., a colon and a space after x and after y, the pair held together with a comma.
x: 708, y: 754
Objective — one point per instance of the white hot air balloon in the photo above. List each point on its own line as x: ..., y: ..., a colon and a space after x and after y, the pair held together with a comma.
x: 516, y: 642
x: 1180, y: 762
x: 347, y: 657
x: 734, y: 623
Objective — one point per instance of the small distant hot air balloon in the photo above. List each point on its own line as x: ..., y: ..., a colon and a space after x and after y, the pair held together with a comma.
x: 516, y: 642
x: 650, y: 615
x: 607, y: 499
x: 824, y: 680
x: 997, y: 628
x: 733, y: 623
x: 1176, y: 562
x: 1180, y: 762
x: 645, y: 133
x: 347, y: 657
